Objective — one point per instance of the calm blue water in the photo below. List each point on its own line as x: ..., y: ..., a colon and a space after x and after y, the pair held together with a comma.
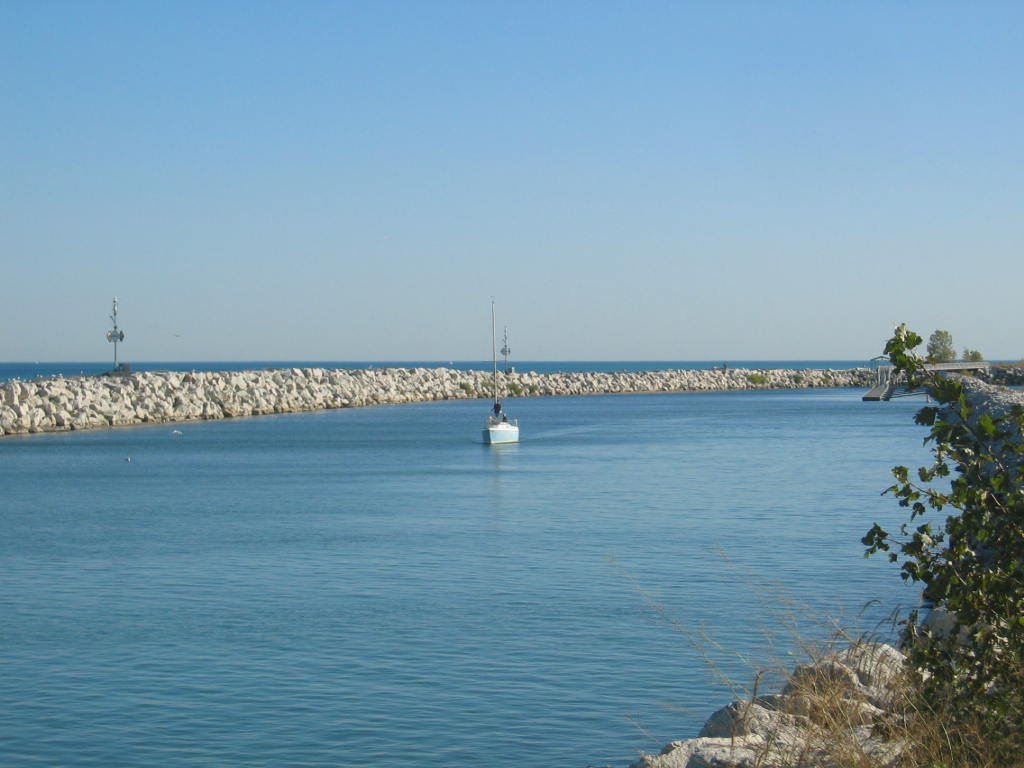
x: 26, y: 371
x: 376, y: 587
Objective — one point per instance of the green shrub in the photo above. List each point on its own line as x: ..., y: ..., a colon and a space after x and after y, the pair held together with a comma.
x: 971, y: 564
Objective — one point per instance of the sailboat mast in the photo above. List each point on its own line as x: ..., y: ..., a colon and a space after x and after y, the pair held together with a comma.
x: 494, y: 357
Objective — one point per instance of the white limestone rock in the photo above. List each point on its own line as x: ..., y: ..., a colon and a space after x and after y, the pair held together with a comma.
x: 707, y: 753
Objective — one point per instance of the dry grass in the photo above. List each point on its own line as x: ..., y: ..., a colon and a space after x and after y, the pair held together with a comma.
x: 830, y: 713
x: 825, y: 719
x: 834, y: 711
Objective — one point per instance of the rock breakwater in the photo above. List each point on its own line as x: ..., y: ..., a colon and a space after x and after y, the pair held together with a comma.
x: 1007, y: 375
x: 93, y: 402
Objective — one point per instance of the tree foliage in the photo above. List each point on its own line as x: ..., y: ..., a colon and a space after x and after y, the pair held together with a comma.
x: 940, y: 347
x: 973, y: 356
x: 971, y: 563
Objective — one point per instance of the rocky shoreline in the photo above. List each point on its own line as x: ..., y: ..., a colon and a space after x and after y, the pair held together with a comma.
x: 94, y: 402
x: 829, y: 708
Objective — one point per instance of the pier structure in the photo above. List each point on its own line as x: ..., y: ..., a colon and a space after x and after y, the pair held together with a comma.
x: 889, y: 384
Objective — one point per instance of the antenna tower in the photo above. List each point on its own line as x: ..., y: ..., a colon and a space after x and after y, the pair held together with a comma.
x: 115, y: 335
x: 505, y: 351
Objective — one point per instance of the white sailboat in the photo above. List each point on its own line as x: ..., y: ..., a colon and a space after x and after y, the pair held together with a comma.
x: 499, y: 428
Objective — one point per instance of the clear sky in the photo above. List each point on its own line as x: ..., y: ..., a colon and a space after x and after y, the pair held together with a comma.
x: 629, y: 180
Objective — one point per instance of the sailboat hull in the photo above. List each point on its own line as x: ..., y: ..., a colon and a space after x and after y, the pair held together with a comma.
x: 502, y: 432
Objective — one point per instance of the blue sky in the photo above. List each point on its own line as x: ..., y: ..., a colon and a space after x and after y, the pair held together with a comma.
x: 356, y: 180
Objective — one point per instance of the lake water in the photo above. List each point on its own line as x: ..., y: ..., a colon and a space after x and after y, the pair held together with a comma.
x: 377, y: 587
